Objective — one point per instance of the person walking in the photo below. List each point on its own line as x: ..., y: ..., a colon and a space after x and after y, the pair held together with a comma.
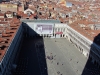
x: 57, y: 63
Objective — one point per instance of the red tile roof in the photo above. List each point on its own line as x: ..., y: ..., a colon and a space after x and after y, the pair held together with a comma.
x: 1, y: 14
x: 90, y: 34
x: 7, y: 34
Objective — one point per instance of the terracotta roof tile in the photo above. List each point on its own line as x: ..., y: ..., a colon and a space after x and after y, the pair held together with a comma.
x: 1, y: 14
x: 6, y: 35
x: 90, y: 34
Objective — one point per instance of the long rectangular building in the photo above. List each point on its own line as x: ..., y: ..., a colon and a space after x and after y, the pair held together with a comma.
x: 8, y: 7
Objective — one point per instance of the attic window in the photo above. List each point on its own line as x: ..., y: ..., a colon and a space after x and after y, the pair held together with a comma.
x: 13, y: 28
x: 6, y: 41
x: 11, y: 32
x: 40, y: 13
x: 2, y: 47
x: 61, y: 22
x: 67, y: 16
x: 27, y: 18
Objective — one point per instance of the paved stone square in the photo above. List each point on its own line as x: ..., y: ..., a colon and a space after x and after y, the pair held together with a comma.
x: 47, y: 56
x: 71, y: 61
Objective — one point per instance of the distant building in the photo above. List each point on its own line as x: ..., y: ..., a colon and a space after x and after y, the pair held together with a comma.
x: 62, y: 2
x: 8, y: 7
x: 28, y: 11
x: 65, y: 3
x: 9, y: 14
x: 68, y: 4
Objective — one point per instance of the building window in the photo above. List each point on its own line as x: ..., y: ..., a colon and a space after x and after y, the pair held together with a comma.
x: 55, y: 29
x: 64, y: 30
x: 58, y: 29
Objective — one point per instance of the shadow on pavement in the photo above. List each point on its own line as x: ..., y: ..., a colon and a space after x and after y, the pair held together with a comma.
x: 31, y: 60
x: 92, y: 66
